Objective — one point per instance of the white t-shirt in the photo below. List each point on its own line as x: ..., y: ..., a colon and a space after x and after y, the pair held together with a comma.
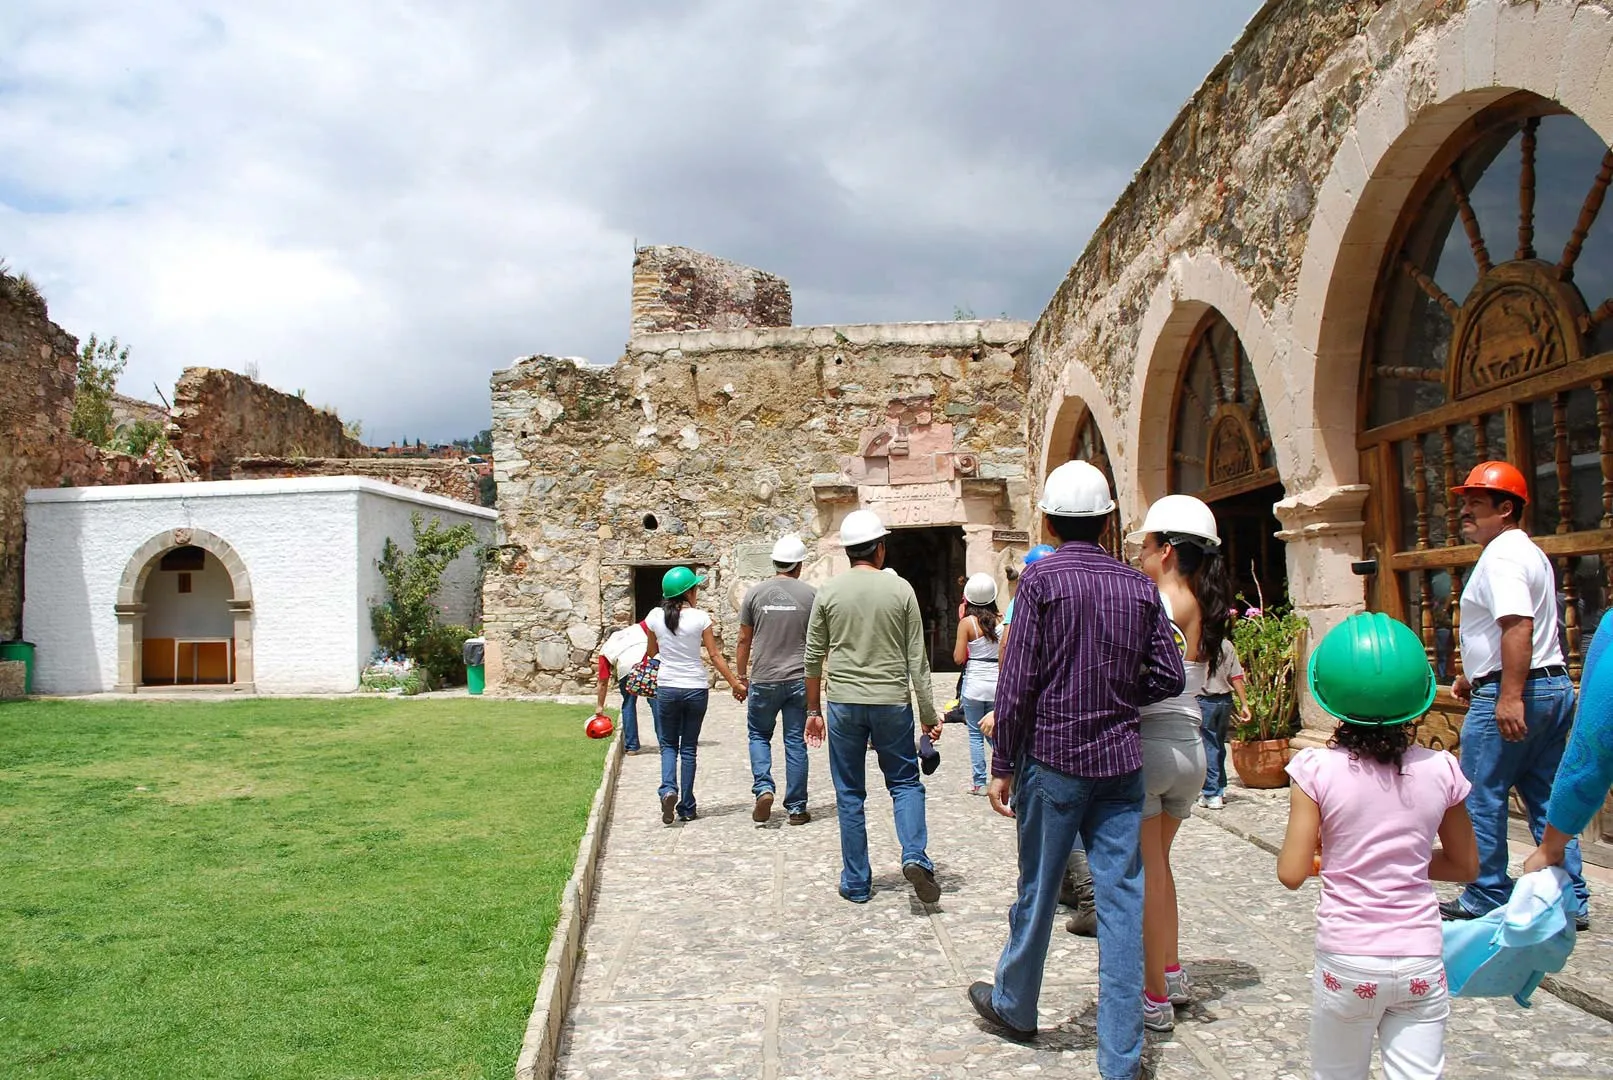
x: 681, y: 666
x: 1231, y: 668
x: 1512, y: 577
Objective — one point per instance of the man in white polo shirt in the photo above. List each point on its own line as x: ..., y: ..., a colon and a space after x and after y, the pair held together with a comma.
x: 1520, y: 698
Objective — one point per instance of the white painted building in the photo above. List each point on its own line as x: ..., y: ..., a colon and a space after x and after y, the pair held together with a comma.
x: 265, y: 585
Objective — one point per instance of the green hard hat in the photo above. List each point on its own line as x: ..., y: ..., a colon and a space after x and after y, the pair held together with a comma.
x: 1372, y: 670
x: 679, y: 580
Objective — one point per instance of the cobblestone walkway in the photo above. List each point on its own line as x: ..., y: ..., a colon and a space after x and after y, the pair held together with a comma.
x: 719, y: 948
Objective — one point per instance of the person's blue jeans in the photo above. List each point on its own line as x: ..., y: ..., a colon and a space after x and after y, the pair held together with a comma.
x: 1215, y: 712
x: 973, y: 710
x: 678, y: 715
x: 890, y: 729
x: 763, y: 706
x: 629, y: 715
x: 1052, y: 813
x: 1494, y: 766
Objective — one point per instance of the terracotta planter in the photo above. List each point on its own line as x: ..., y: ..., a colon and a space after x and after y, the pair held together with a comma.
x: 1260, y: 764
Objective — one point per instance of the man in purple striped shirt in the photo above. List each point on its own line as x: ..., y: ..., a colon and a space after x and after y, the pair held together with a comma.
x: 1091, y: 644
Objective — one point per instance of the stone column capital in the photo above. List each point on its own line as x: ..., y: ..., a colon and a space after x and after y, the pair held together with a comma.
x: 1321, y: 511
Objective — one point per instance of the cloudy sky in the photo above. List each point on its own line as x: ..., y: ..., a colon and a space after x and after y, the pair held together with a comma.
x: 381, y: 203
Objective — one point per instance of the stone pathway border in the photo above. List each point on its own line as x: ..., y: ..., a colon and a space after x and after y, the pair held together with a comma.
x: 541, y: 1043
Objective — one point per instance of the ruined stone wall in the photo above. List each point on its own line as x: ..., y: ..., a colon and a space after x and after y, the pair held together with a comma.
x: 127, y: 411
x: 678, y: 288
x: 38, y: 377
x: 723, y: 441
x: 457, y: 480
x: 221, y: 416
x: 1235, y: 176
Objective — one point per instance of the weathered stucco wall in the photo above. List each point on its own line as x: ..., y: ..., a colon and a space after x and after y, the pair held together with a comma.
x: 38, y: 377
x: 726, y: 440
x: 678, y: 288
x: 221, y: 416
x: 458, y: 480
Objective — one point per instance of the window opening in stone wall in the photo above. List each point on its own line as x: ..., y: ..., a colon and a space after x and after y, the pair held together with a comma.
x: 1222, y: 452
x: 932, y: 560
x: 1491, y: 337
x: 1088, y: 446
x: 651, y: 522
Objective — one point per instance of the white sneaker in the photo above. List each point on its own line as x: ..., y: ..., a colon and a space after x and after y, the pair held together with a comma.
x: 1204, y: 801
x: 1212, y: 802
x: 1157, y: 1017
x: 1178, y: 987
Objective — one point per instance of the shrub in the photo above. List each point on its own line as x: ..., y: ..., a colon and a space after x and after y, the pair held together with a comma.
x: 1270, y: 646
x: 441, y: 656
x: 99, y: 365
x: 406, y: 623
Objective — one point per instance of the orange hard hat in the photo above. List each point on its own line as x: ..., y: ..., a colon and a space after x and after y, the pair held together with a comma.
x: 1495, y: 476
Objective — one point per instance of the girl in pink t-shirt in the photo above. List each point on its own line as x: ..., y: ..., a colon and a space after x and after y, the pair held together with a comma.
x: 1371, y: 803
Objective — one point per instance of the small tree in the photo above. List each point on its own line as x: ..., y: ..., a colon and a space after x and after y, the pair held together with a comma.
x: 406, y: 622
x: 142, y: 435
x: 99, y: 365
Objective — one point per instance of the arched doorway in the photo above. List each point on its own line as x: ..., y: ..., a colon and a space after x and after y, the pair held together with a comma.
x: 1087, y: 445
x: 1491, y: 336
x: 184, y: 614
x: 1221, y: 451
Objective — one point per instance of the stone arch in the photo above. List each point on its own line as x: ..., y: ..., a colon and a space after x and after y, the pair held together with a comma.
x: 1078, y: 395
x: 1556, y: 49
x: 1193, y: 286
x: 130, y: 607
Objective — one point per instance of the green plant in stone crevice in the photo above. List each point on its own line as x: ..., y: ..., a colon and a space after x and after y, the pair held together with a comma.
x: 99, y: 365
x: 406, y: 622
x: 1271, y: 647
x: 142, y: 435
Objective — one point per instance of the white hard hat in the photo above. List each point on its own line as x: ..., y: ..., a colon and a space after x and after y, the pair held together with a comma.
x: 1076, y: 489
x: 789, y: 550
x: 860, y: 528
x: 980, y: 589
x: 1179, y: 515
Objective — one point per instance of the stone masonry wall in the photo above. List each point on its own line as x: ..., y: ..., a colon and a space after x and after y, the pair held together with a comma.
x: 450, y: 479
x: 1236, y: 175
x: 678, y: 288
x: 38, y: 377
x: 221, y: 416
x: 728, y: 440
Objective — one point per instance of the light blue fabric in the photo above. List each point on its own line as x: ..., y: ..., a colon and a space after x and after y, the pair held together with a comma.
x: 1507, y: 952
x: 1586, y: 772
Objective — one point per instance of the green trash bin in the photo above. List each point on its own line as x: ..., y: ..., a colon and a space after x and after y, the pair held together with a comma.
x: 475, y: 668
x: 24, y: 651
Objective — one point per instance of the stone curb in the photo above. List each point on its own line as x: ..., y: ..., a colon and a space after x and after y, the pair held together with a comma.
x: 540, y: 1046
x: 1570, y: 991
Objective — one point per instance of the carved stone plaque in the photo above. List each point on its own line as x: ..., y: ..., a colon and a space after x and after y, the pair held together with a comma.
x: 1519, y: 321
x: 1230, y: 455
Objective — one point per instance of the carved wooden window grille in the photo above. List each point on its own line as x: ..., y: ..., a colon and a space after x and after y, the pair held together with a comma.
x: 1087, y: 445
x: 1492, y: 338
x: 1220, y: 444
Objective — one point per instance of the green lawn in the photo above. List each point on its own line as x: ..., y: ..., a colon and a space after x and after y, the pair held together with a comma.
x: 312, y: 889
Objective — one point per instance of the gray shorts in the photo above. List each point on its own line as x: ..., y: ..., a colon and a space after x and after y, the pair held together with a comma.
x: 1173, y: 774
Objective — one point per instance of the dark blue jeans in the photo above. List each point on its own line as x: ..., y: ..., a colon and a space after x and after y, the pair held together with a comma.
x: 1216, y: 713
x: 763, y: 705
x: 678, y: 716
x: 630, y: 715
x: 1054, y: 812
x: 1494, y: 766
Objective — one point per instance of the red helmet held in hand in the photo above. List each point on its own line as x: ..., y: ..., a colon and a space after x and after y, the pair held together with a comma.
x: 599, y: 726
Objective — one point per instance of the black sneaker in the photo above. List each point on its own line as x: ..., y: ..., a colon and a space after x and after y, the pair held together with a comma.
x: 980, y: 998
x: 923, y: 882
x: 669, y: 805
x: 1453, y: 911
x: 1582, y: 923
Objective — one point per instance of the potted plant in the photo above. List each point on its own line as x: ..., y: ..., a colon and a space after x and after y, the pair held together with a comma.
x: 1271, y: 647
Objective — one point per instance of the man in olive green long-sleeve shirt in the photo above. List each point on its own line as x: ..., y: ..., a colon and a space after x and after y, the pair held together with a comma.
x: 869, y: 623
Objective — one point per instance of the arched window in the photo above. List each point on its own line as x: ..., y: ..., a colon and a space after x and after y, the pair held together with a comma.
x: 1491, y: 337
x: 1087, y: 445
x: 1221, y: 451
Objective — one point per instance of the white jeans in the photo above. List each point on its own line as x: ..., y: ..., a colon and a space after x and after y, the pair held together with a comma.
x: 1400, y: 998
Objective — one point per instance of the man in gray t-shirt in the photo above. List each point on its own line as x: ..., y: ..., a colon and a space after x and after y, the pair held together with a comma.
x: 772, y: 644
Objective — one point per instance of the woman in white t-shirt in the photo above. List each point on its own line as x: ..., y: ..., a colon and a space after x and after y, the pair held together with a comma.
x: 677, y: 631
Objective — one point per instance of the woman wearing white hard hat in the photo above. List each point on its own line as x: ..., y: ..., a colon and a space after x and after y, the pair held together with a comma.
x: 976, y: 649
x: 1181, y: 552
